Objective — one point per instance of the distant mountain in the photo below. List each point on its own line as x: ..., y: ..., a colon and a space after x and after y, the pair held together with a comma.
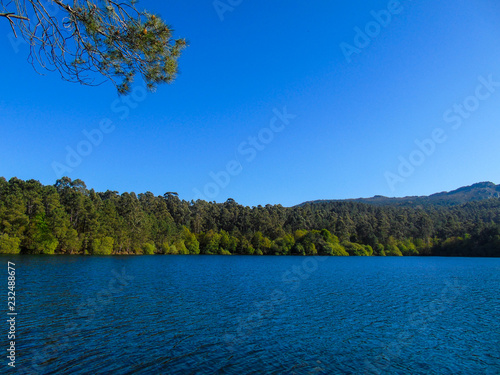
x: 476, y: 192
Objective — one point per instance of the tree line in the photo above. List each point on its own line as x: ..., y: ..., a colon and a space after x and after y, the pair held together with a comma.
x: 68, y: 218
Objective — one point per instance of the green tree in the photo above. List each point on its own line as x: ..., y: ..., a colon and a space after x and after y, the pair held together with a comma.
x: 103, y: 246
x: 107, y: 37
x: 379, y: 250
x: 209, y: 242
x: 283, y: 245
x: 13, y: 218
x: 391, y: 248
x: 148, y: 249
x: 190, y: 242
x: 298, y: 249
x: 180, y: 247
x: 69, y: 218
x: 166, y: 248
x: 9, y: 245
x: 261, y: 244
x: 356, y: 249
x: 44, y: 242
x: 334, y: 249
x: 407, y: 247
x: 245, y: 247
x: 58, y: 221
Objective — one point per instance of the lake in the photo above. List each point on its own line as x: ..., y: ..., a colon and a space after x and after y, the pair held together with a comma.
x: 256, y: 315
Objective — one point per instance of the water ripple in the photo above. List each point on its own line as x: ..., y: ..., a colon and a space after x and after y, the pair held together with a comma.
x: 239, y: 315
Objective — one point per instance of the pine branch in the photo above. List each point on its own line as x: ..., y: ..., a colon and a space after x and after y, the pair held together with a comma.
x: 9, y: 16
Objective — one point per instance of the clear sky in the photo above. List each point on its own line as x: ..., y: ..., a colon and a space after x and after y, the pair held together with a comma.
x: 278, y: 102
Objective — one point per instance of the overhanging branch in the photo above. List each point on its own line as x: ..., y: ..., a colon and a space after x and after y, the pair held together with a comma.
x: 108, y: 37
x: 9, y: 16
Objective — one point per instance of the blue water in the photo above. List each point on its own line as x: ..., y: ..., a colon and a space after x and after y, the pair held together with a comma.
x: 256, y: 315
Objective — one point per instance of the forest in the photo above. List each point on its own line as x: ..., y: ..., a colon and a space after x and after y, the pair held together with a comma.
x: 69, y: 218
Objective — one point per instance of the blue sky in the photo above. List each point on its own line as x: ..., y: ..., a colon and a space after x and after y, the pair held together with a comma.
x: 349, y: 125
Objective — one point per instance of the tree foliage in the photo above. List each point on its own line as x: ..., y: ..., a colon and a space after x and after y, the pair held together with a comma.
x: 68, y: 218
x: 82, y: 37
x: 9, y: 245
x: 103, y: 246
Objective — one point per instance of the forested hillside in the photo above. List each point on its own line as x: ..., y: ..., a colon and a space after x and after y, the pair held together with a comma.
x: 68, y: 218
x: 466, y: 194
